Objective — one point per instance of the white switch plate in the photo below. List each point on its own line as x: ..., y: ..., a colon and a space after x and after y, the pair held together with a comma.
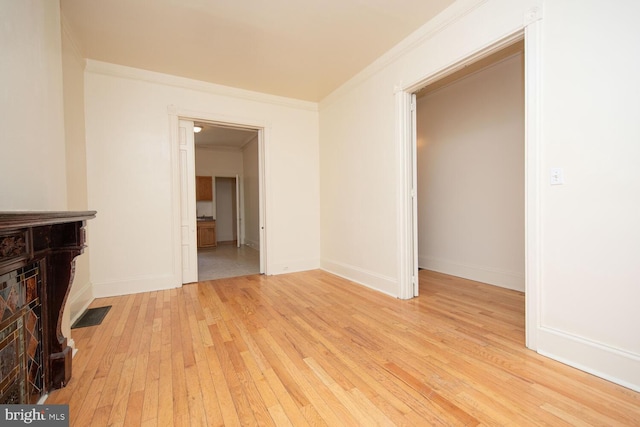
x: 557, y: 176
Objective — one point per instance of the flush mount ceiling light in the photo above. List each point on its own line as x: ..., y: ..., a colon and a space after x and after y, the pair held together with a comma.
x: 197, y: 129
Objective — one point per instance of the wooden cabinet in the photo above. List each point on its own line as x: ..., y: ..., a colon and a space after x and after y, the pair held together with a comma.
x: 207, y: 234
x: 204, y: 188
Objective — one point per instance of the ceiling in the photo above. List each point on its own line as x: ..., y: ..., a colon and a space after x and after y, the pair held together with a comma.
x: 223, y: 137
x: 293, y: 48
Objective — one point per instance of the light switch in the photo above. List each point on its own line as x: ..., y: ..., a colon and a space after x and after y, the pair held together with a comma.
x: 557, y: 177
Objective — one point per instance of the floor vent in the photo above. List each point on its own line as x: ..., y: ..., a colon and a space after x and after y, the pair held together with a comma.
x: 91, y: 317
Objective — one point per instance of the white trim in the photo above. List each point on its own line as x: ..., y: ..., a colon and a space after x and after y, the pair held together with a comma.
x: 478, y: 54
x: 471, y: 74
x: 533, y: 174
x: 218, y: 119
x: 293, y: 266
x: 135, y: 285
x: 369, y: 279
x: 187, y: 195
x: 533, y: 135
x: 404, y: 204
x: 612, y: 364
x: 79, y: 311
x: 263, y: 214
x: 493, y: 276
x: 108, y: 69
x: 263, y: 128
x: 176, y: 229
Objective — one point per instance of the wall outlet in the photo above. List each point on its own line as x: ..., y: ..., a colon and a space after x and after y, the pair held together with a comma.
x: 557, y: 176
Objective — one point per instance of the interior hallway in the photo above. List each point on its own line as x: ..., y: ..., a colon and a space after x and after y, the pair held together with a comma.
x: 225, y: 261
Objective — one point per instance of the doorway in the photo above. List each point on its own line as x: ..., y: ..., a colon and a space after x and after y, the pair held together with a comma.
x: 227, y: 212
x: 470, y: 171
x: 228, y: 156
x: 407, y: 168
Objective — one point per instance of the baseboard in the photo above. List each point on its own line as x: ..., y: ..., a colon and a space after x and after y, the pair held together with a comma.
x: 135, y: 285
x: 492, y: 276
x: 385, y: 284
x: 80, y: 301
x: 603, y: 361
x: 293, y: 266
x: 77, y: 315
x: 71, y: 343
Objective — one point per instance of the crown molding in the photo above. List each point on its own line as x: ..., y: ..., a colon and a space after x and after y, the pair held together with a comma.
x: 453, y: 13
x: 115, y: 70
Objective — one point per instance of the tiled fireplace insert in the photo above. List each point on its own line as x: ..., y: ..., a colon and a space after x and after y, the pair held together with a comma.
x: 37, y: 256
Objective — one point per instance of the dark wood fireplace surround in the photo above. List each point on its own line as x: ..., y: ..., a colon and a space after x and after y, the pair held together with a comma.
x: 38, y: 248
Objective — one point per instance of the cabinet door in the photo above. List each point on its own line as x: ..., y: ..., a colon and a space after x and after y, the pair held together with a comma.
x: 207, y: 234
x: 204, y: 188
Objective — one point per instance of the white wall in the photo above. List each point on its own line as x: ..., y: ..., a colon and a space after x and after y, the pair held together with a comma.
x: 589, y: 233
x: 359, y: 163
x: 129, y: 164
x: 470, y: 140
x: 81, y: 293
x: 251, y: 194
x: 40, y: 166
x: 591, y: 229
x: 32, y: 146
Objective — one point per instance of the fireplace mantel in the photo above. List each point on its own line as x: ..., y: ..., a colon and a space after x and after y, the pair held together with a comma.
x: 46, y: 244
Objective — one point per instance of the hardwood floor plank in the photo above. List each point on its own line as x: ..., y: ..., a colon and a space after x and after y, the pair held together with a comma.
x: 306, y: 384
x: 121, y: 396
x: 165, y: 388
x: 225, y: 399
x: 150, y: 402
x: 314, y: 349
x: 133, y: 416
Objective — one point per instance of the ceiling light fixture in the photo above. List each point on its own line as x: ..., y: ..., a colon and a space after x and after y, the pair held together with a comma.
x: 197, y: 129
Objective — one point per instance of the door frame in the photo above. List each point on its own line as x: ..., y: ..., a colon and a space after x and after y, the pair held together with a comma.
x: 176, y: 114
x: 407, y: 168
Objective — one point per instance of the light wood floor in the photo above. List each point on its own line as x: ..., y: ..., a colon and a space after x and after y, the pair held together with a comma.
x: 313, y: 349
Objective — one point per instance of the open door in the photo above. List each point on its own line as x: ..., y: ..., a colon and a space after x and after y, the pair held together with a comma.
x: 189, y: 243
x: 407, y: 206
x: 414, y: 195
x: 238, y: 216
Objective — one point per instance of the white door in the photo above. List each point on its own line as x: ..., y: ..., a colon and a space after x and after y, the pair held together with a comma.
x: 238, y: 216
x: 414, y: 195
x: 189, y: 243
